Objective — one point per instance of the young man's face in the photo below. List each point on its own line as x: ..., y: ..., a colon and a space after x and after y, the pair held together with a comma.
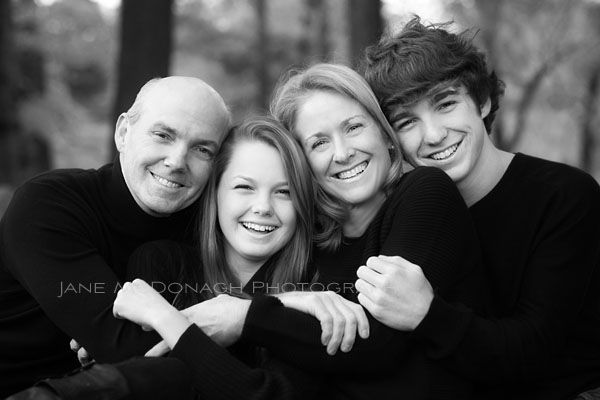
x: 445, y: 130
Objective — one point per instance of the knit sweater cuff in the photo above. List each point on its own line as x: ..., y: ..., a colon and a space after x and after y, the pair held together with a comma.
x: 443, y: 328
x: 258, y: 318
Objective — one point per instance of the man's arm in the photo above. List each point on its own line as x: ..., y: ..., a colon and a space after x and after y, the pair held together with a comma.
x: 51, y: 252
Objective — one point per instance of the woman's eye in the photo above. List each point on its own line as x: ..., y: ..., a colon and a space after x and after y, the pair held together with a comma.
x: 354, y: 127
x: 318, y: 143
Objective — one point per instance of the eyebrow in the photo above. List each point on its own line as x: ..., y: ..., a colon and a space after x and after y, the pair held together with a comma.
x: 433, y: 99
x: 345, y: 122
x: 247, y: 178
x: 436, y: 97
x: 174, y: 132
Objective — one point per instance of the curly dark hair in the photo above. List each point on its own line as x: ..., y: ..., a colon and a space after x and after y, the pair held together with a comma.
x: 404, y: 69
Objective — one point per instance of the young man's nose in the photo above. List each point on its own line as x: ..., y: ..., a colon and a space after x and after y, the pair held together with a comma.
x: 434, y: 132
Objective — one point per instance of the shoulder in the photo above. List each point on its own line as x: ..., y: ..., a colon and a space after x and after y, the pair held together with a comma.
x: 425, y: 182
x: 557, y: 181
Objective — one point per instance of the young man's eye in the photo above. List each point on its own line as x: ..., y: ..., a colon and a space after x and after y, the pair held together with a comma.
x: 404, y: 124
x: 446, y: 105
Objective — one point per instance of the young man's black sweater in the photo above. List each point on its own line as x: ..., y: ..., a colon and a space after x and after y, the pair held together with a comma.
x: 64, y: 244
x: 540, y: 234
x: 425, y: 221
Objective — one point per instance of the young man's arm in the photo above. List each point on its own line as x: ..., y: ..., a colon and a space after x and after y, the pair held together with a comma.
x: 555, y: 285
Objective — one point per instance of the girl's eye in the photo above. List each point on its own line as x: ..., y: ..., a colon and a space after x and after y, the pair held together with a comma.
x: 243, y: 187
x: 284, y: 192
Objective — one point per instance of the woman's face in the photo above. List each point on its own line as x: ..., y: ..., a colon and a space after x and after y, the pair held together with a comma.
x: 255, y: 211
x: 344, y: 146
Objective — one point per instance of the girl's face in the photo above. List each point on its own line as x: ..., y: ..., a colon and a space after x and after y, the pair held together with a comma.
x: 344, y: 146
x: 255, y: 211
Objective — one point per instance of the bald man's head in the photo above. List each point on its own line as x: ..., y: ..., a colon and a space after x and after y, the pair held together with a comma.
x: 167, y: 141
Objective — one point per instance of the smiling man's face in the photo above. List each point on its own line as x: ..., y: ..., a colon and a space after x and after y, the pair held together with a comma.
x: 445, y: 130
x: 166, y: 154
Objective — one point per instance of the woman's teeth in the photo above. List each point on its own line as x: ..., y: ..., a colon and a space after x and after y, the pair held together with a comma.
x: 352, y: 172
x: 442, y: 155
x: 259, y: 228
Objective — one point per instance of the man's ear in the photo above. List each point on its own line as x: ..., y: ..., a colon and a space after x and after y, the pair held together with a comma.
x: 485, y: 108
x: 121, y: 132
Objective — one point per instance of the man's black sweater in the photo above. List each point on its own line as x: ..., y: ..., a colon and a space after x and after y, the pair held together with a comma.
x: 64, y: 244
x: 540, y: 233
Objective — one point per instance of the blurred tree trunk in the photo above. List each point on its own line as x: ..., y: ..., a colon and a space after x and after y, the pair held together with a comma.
x: 262, y: 62
x: 146, y: 38
x: 8, y: 122
x: 366, y: 26
x: 590, y: 102
x: 315, y: 45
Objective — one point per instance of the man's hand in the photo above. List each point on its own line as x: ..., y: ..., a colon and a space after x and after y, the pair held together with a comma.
x: 340, y: 318
x: 221, y: 318
x: 394, y: 291
x: 82, y: 355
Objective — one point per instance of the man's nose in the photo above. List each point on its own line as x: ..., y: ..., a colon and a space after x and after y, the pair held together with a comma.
x: 176, y: 156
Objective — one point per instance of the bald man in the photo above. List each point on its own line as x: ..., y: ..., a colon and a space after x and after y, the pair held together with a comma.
x: 67, y: 234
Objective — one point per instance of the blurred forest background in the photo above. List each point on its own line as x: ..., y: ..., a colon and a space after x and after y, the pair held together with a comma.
x: 69, y: 67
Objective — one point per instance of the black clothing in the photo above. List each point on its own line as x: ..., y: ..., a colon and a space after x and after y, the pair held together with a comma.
x: 425, y: 221
x: 241, y: 371
x: 70, y: 227
x: 540, y: 234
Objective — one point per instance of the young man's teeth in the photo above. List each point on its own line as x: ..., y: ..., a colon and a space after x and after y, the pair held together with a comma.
x: 166, y: 182
x: 446, y: 153
x: 258, y: 228
x: 353, y: 172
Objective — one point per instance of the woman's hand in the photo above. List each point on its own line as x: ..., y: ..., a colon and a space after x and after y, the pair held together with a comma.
x: 395, y: 291
x: 140, y: 303
x: 340, y: 318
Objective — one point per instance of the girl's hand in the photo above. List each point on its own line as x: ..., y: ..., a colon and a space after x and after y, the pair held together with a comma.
x: 140, y: 303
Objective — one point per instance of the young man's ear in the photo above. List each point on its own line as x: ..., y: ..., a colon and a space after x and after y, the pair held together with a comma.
x: 121, y: 131
x: 485, y: 108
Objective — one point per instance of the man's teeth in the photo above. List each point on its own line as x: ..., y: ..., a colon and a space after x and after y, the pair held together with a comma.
x: 259, y: 228
x: 166, y: 182
x: 442, y: 155
x: 352, y: 172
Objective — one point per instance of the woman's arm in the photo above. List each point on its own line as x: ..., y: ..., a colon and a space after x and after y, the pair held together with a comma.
x: 428, y: 222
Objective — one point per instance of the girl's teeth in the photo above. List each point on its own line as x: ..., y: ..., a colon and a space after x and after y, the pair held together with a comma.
x: 259, y: 228
x: 353, y: 172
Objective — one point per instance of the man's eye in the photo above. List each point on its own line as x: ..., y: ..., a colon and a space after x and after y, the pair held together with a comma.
x: 204, y: 151
x: 162, y: 135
